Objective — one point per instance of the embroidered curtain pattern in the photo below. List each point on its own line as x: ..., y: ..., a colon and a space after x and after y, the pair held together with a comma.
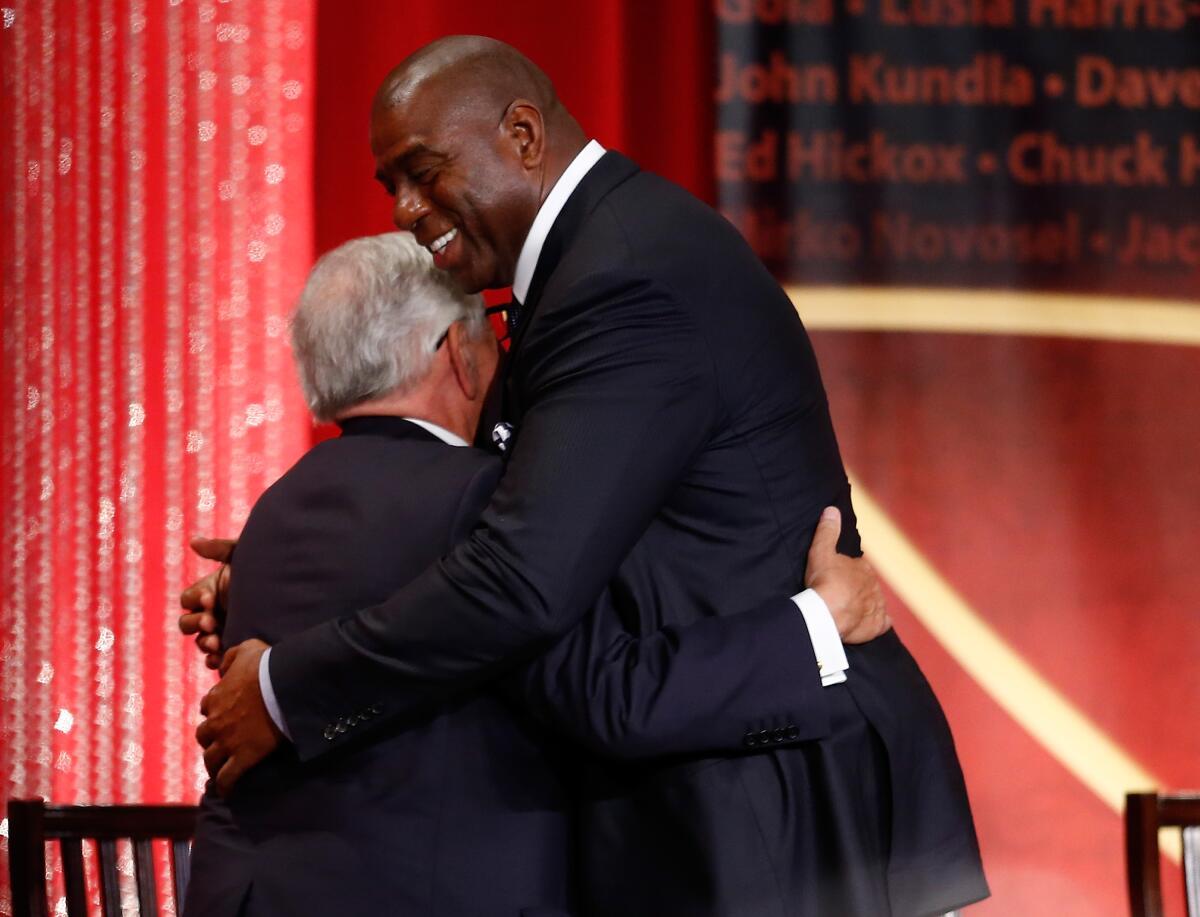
x: 155, y: 165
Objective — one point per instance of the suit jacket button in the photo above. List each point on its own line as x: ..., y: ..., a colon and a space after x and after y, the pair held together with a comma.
x: 330, y: 733
x: 793, y: 733
x: 778, y: 735
x: 750, y: 739
x: 764, y: 737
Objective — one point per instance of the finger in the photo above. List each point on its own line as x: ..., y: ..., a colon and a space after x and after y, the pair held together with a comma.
x: 209, y: 643
x: 198, y: 622
x: 829, y: 528
x: 231, y: 771
x: 205, y: 734
x: 199, y: 596
x: 219, y: 549
x: 205, y: 703
x: 222, y: 579
x: 190, y: 623
x: 213, y: 661
x: 214, y: 759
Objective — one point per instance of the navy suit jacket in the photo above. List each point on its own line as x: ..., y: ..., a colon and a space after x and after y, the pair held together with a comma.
x: 465, y: 812
x: 673, y: 445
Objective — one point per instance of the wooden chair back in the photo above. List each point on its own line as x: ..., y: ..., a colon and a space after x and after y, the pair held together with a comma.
x: 31, y: 823
x: 1145, y: 813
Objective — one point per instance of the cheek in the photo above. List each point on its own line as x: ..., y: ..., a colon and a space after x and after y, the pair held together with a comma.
x: 490, y: 202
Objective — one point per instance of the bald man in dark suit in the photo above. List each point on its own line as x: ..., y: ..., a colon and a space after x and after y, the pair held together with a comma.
x: 672, y: 445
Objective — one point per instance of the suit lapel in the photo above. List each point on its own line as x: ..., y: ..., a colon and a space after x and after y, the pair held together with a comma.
x: 611, y: 170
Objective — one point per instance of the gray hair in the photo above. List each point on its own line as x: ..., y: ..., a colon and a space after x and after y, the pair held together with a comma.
x: 369, y: 320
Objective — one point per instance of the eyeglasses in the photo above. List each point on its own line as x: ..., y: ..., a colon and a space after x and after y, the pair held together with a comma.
x: 496, y: 310
x: 490, y: 310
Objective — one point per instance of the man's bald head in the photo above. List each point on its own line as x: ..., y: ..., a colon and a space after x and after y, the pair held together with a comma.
x: 471, y: 67
x: 469, y: 137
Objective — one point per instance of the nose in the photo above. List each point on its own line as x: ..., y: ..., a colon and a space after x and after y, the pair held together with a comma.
x: 409, y: 207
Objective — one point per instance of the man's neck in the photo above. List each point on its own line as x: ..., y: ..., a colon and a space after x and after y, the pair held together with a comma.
x: 413, y: 407
x: 579, y: 165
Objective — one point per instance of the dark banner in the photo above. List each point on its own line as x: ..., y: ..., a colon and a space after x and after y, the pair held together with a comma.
x: 1039, y: 144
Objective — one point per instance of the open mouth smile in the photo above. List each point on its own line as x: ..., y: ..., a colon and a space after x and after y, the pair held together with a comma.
x: 438, y: 245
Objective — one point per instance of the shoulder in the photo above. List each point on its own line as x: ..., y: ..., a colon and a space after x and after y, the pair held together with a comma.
x: 650, y: 232
x: 368, y: 483
x: 382, y: 465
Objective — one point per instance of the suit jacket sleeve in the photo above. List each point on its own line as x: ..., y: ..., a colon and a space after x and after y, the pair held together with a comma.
x: 722, y: 684
x: 729, y: 683
x: 621, y: 396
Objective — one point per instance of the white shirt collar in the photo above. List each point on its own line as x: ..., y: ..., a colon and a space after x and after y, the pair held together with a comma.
x: 450, y: 439
x: 548, y: 213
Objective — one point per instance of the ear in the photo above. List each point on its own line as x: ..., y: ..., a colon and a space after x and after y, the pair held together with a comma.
x: 462, y: 362
x: 522, y: 122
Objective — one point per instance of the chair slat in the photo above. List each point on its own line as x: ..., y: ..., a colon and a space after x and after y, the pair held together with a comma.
x: 1141, y: 854
x: 1191, y: 869
x: 1145, y: 814
x: 27, y: 856
x: 181, y: 871
x: 143, y: 870
x: 110, y: 887
x: 71, y: 849
x: 33, y: 824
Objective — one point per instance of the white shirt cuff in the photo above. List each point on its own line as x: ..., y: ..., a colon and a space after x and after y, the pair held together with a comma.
x: 268, y: 692
x: 827, y: 644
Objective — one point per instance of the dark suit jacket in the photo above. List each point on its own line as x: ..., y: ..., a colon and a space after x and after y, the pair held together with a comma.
x: 464, y: 813
x: 674, y: 444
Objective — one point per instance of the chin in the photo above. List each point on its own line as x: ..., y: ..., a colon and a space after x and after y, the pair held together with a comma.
x: 472, y: 284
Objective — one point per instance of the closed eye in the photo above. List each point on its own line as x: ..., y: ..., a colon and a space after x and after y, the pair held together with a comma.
x: 388, y: 185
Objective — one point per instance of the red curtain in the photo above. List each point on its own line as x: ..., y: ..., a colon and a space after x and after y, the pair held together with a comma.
x: 155, y: 166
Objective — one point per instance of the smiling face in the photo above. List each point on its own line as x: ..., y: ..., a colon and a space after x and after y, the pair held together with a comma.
x: 462, y: 178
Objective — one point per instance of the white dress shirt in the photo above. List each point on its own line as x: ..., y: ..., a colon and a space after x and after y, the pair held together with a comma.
x: 531, y: 250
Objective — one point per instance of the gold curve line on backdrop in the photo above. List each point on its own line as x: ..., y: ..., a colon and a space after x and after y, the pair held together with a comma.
x: 1037, y: 706
x: 966, y: 311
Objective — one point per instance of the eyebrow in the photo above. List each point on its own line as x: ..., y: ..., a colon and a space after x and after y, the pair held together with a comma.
x: 400, y: 159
